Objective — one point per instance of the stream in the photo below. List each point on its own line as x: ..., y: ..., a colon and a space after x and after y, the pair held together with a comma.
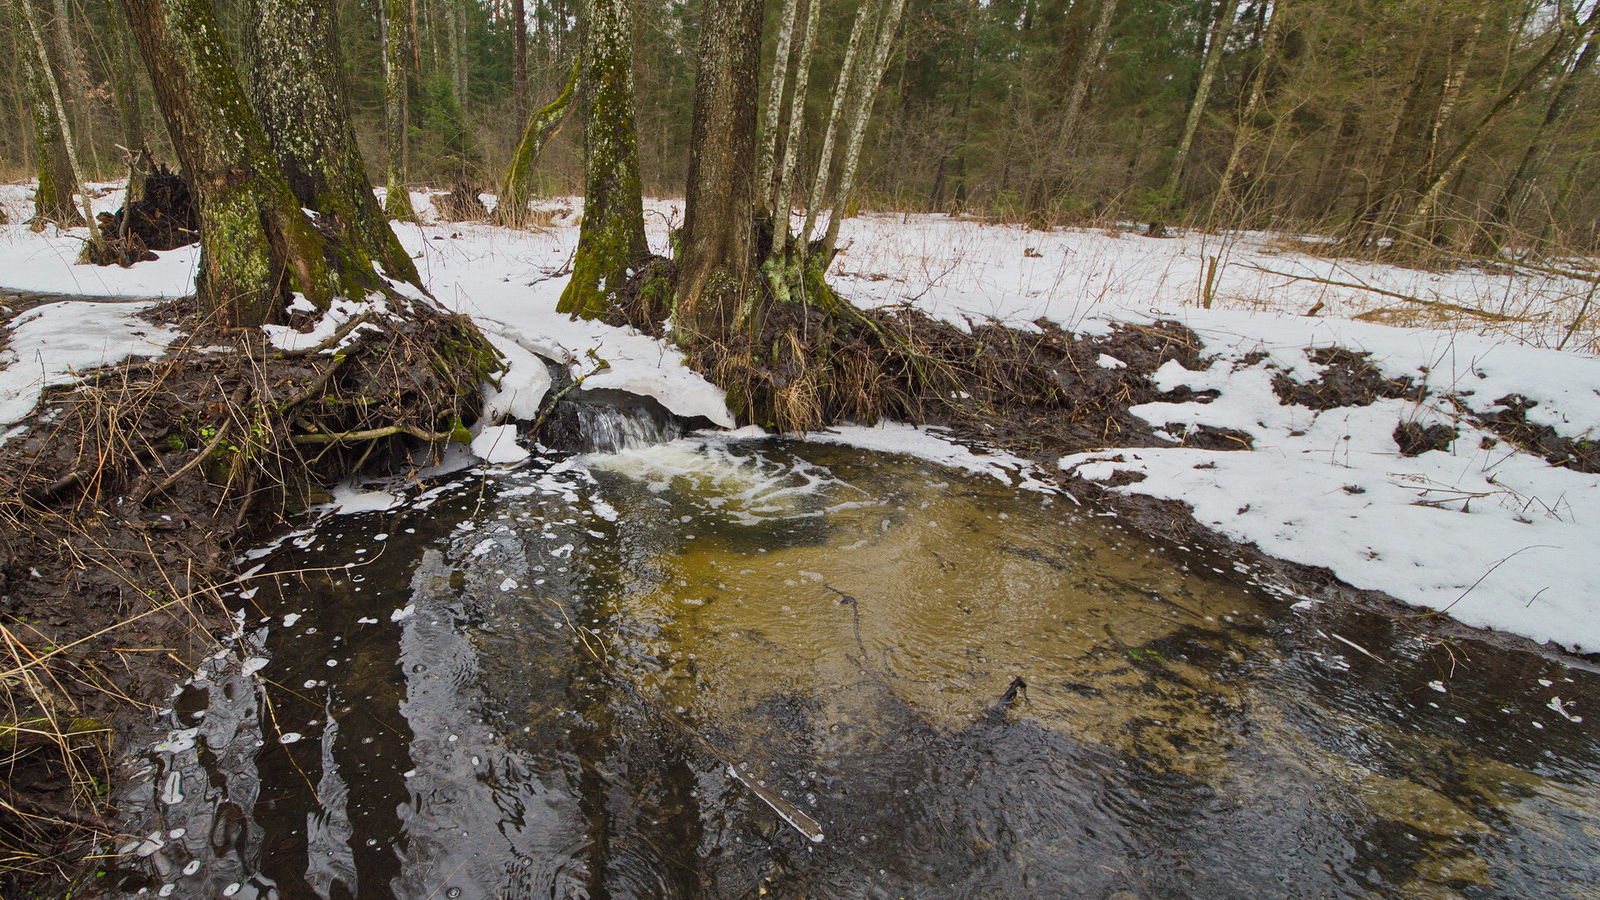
x: 724, y: 667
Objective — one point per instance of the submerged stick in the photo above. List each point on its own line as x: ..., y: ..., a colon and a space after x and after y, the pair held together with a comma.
x: 785, y: 810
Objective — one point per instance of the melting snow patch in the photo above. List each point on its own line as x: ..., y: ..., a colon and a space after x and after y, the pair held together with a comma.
x: 348, y: 498
x: 497, y: 444
x: 51, y: 344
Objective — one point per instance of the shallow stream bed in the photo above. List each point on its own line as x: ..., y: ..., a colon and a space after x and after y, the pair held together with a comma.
x: 667, y: 671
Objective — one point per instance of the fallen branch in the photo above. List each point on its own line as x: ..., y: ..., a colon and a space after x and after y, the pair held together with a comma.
x: 1436, y: 304
x: 372, y: 434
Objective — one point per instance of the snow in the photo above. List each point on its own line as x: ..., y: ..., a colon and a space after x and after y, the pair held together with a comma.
x: 497, y: 444
x: 928, y: 443
x: 1496, y: 536
x: 322, y: 330
x: 50, y: 344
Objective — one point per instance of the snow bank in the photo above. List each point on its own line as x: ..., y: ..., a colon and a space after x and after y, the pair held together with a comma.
x: 1497, y: 536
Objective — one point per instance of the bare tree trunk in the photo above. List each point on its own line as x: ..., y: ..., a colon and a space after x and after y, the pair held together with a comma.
x: 1072, y: 109
x: 53, y: 200
x: 297, y: 89
x: 859, y: 115
x: 1492, y: 236
x: 397, y: 46
x: 129, y: 98
x: 519, y: 58
x: 1387, y: 182
x: 794, y: 141
x: 1433, y: 190
x: 611, y: 242
x: 456, y: 20
x: 715, y: 275
x: 1063, y: 132
x: 42, y: 58
x: 1245, y: 132
x: 1459, y: 55
x: 1221, y: 24
x: 73, y: 75
x: 511, y: 210
x: 256, y: 246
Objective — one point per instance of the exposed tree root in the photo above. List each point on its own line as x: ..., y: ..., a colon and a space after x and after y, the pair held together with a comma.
x: 813, y: 359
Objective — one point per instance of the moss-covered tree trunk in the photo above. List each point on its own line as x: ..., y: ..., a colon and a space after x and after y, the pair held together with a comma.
x: 611, y: 241
x: 517, y: 188
x: 396, y: 108
x: 256, y: 246
x: 297, y: 86
x: 53, y: 200
x: 716, y: 281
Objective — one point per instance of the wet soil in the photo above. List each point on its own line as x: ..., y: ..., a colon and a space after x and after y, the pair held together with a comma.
x: 1509, y: 420
x: 1348, y: 379
x: 122, y: 508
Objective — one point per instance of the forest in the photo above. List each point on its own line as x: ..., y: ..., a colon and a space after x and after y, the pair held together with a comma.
x: 1467, y: 124
x: 799, y: 448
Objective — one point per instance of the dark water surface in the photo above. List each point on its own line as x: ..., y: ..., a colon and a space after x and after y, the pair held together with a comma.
x: 535, y: 685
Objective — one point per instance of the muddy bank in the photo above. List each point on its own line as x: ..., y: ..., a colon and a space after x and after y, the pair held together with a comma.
x: 122, y: 508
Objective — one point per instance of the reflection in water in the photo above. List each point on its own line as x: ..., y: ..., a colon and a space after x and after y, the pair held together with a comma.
x: 535, y: 685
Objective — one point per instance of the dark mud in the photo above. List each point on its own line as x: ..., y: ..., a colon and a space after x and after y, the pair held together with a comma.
x: 1509, y: 420
x: 122, y: 508
x: 1348, y: 379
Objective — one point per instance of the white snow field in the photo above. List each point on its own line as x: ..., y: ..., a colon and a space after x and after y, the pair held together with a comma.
x: 1497, y: 537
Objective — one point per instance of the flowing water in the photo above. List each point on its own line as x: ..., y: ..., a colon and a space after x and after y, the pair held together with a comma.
x: 729, y: 668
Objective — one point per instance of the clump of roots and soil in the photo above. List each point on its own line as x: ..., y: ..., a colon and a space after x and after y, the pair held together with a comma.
x: 122, y: 509
x: 164, y: 217
x: 805, y: 365
x: 1509, y: 420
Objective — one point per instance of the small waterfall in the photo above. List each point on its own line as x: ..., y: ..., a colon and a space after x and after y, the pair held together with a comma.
x: 611, y: 427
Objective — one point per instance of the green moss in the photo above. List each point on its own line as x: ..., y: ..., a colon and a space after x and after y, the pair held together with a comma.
x: 611, y: 242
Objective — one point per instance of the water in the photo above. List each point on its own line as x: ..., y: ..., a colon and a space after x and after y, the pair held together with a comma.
x: 535, y: 685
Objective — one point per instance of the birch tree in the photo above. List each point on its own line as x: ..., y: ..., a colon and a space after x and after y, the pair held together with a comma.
x: 53, y: 199
x: 1493, y: 233
x: 1420, y: 224
x: 1221, y: 24
x: 866, y: 91
x: 1246, y: 130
